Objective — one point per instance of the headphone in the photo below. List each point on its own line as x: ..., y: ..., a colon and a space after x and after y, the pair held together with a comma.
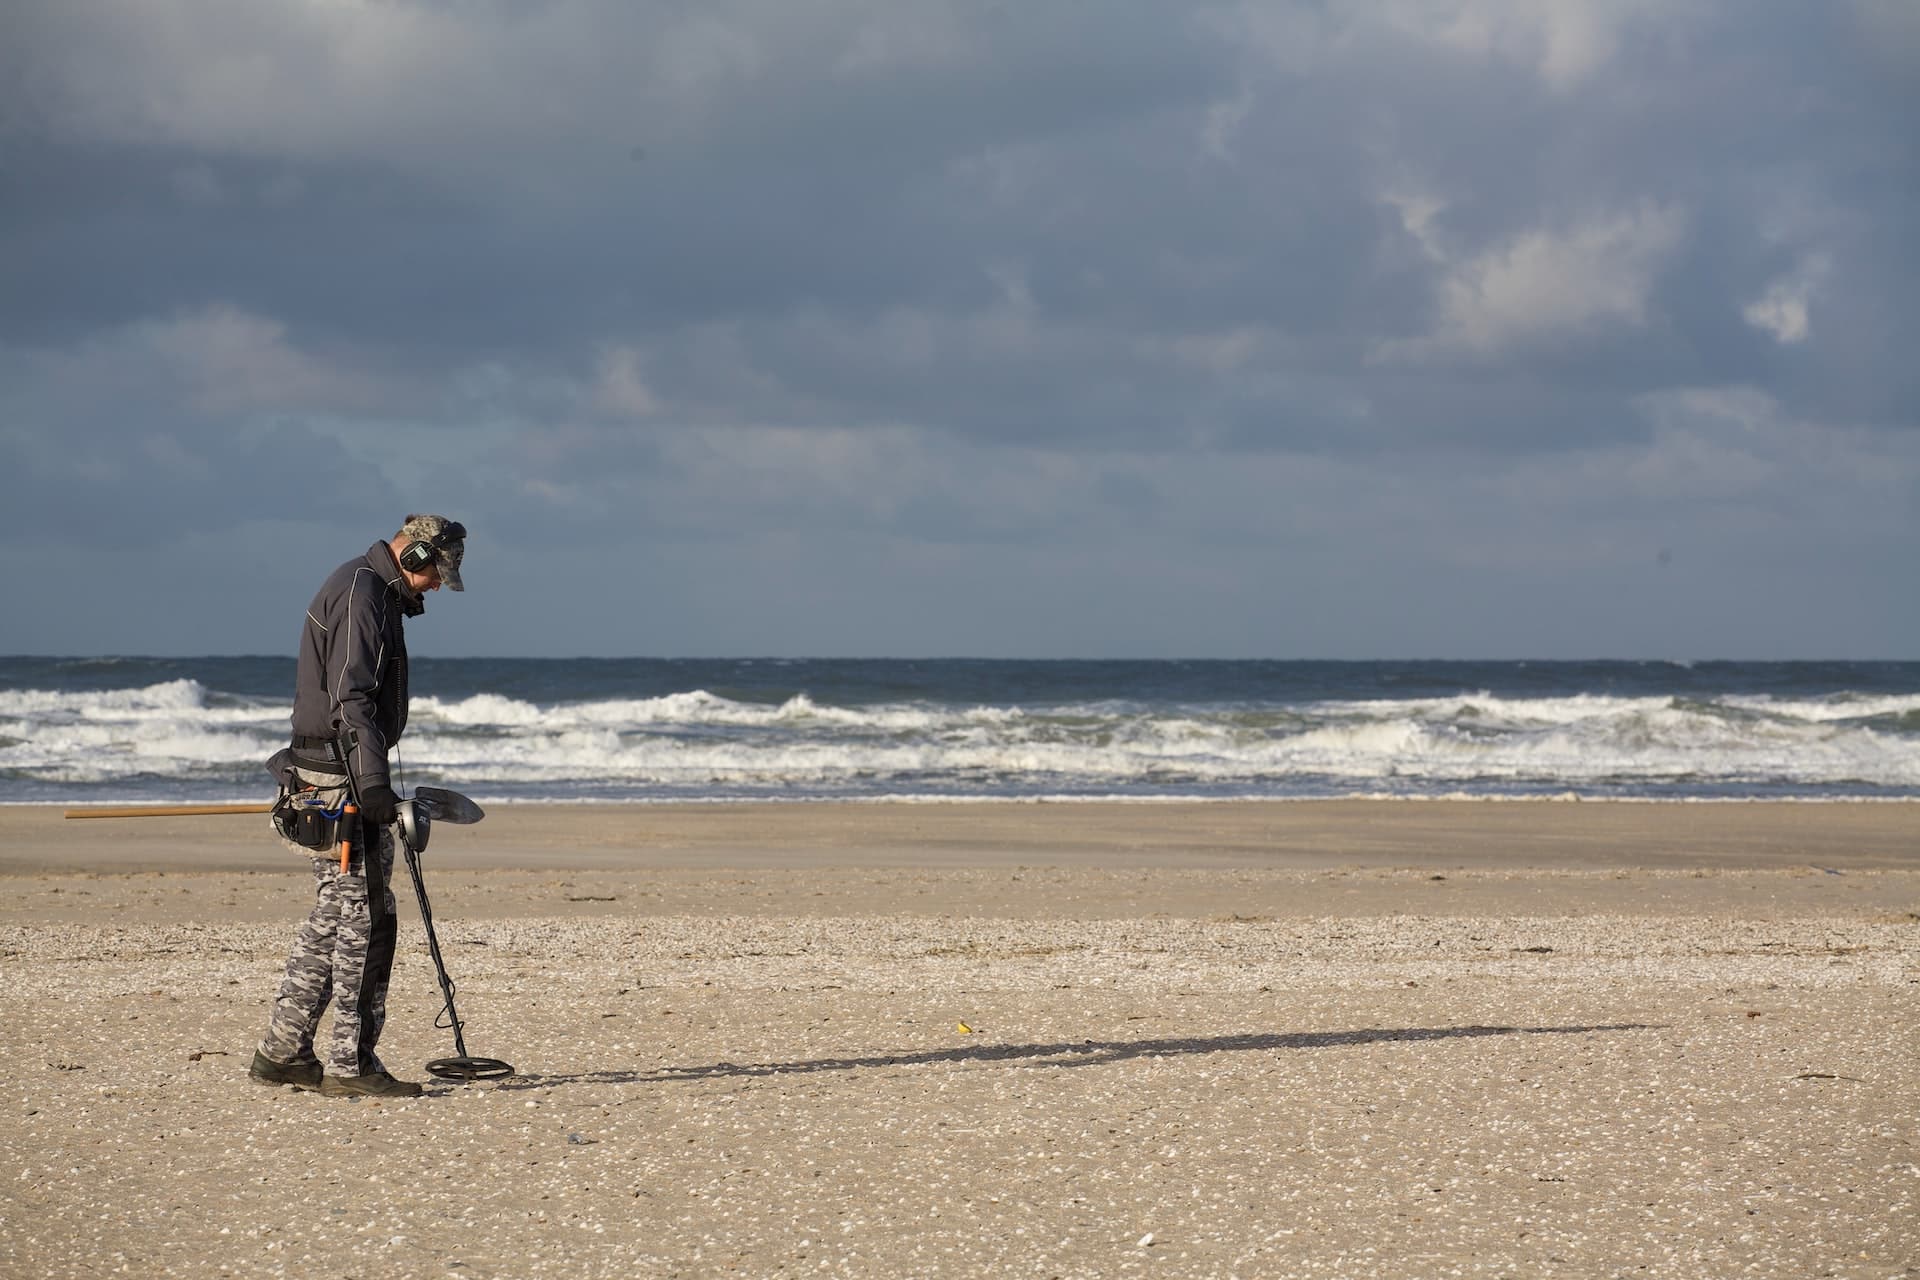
x: 421, y: 552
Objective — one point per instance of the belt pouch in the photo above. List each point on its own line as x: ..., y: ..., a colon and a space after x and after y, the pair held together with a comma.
x: 303, y: 818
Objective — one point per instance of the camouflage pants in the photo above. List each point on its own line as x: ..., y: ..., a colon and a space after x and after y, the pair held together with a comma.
x: 343, y: 954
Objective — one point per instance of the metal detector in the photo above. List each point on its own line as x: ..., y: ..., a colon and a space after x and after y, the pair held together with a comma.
x: 413, y: 823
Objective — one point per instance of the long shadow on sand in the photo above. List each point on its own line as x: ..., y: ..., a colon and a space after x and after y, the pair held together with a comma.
x: 1072, y: 1053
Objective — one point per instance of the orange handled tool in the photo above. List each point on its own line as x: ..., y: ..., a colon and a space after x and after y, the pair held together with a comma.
x: 349, y: 823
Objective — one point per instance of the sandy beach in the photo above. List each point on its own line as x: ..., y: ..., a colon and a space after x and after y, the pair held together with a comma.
x: 1319, y: 1039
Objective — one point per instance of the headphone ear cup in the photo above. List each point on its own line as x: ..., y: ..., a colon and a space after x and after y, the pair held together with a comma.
x: 417, y: 556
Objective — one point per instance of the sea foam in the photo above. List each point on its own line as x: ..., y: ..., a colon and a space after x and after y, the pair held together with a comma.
x: 181, y: 736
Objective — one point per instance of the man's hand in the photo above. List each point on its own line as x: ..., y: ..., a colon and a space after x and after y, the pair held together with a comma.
x: 378, y: 804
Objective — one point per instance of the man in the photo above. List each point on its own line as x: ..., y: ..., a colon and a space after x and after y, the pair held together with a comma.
x: 349, y: 708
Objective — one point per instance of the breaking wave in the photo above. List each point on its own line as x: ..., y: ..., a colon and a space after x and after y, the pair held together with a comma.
x: 185, y: 737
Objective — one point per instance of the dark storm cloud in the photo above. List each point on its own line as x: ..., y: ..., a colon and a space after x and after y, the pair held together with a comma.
x: 1071, y: 152
x: 926, y: 274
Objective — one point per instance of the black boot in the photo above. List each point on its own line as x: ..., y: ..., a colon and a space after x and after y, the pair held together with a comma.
x: 376, y: 1084
x: 301, y: 1075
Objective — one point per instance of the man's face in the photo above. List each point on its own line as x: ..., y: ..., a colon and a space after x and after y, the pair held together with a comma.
x: 427, y: 579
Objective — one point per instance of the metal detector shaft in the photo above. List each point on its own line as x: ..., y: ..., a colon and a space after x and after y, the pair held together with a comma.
x: 462, y: 1066
x: 433, y: 947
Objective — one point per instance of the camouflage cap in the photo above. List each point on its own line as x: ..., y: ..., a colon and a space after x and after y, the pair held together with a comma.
x: 447, y: 538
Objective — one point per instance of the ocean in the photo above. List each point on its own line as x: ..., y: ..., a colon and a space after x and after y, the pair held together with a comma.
x: 162, y: 730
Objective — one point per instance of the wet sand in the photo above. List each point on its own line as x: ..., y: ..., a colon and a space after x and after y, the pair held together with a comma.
x: 1342, y: 1039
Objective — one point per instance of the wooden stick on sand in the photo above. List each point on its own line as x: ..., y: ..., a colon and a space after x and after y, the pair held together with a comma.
x: 168, y: 810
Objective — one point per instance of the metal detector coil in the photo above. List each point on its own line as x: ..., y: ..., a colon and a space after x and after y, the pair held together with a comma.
x: 466, y: 1068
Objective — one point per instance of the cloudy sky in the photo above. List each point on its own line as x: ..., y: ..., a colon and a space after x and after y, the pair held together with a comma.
x: 1410, y: 328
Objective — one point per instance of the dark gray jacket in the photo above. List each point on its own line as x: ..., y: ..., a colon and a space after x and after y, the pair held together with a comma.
x: 352, y: 674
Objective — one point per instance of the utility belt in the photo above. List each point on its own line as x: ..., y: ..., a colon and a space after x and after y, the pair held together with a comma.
x: 314, y: 794
x: 319, y: 755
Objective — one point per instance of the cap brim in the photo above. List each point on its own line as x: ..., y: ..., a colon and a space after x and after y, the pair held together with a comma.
x: 449, y: 567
